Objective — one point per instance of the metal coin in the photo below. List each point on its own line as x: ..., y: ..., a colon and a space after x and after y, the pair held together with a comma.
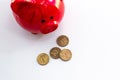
x: 62, y: 40
x: 54, y: 52
x: 43, y: 59
x: 65, y: 54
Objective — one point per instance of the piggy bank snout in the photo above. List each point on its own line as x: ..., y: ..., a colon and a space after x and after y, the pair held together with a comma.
x: 49, y: 27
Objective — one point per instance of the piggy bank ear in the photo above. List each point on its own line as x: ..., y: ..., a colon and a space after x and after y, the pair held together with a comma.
x: 27, y: 11
x: 16, y: 4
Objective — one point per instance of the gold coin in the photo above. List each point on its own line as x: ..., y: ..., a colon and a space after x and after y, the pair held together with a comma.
x: 65, y: 54
x: 43, y: 59
x: 54, y: 52
x: 62, y: 40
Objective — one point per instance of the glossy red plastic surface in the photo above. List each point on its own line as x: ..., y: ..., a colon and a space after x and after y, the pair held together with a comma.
x: 38, y: 16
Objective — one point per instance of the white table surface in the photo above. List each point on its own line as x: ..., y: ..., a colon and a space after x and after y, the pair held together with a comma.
x: 93, y: 27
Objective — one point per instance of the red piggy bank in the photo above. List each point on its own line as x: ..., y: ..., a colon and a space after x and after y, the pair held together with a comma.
x: 38, y: 16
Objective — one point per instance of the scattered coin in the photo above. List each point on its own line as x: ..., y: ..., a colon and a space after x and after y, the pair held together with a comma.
x: 62, y: 40
x: 43, y: 59
x: 65, y: 54
x: 54, y: 52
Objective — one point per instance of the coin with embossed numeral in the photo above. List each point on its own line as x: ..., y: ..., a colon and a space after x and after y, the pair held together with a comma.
x: 54, y: 52
x: 65, y: 54
x: 43, y: 59
x: 62, y: 40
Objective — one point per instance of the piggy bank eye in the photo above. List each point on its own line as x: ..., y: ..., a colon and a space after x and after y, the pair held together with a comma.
x: 42, y: 21
x: 51, y: 17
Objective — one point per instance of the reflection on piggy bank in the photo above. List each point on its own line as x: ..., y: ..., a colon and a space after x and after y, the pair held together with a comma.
x: 38, y: 16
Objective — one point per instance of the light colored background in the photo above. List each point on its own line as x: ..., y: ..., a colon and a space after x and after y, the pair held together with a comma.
x: 93, y: 27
